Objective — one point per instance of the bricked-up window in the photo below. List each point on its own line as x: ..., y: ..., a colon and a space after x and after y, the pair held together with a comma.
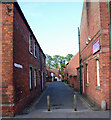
x: 35, y: 77
x: 98, y: 79
x: 30, y: 75
x: 35, y: 50
x: 30, y: 43
x: 87, y: 73
x: 39, y: 77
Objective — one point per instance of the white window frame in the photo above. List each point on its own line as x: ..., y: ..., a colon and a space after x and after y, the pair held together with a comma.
x: 87, y: 73
x: 35, y: 49
x: 98, y: 77
x: 83, y: 78
x: 30, y: 50
x: 35, y: 77
x: 30, y: 77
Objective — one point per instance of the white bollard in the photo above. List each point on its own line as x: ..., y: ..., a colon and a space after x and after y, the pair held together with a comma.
x: 75, y: 104
x: 48, y: 103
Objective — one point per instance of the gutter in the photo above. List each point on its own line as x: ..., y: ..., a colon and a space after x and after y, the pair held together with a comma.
x: 79, y: 59
x: 109, y: 24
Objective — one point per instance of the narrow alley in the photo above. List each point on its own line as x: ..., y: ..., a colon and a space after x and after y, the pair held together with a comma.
x: 61, y: 104
x: 55, y: 59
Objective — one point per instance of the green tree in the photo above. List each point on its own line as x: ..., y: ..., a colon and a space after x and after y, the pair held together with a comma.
x: 62, y: 63
x: 69, y: 57
x: 57, y: 61
x: 49, y: 61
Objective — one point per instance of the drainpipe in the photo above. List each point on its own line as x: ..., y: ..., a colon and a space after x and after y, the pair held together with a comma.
x: 79, y: 59
x: 109, y: 24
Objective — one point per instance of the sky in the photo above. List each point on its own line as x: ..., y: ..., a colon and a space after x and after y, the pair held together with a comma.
x: 55, y: 25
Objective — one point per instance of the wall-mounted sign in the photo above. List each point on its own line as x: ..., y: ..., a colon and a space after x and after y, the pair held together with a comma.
x: 18, y: 65
x: 96, y: 46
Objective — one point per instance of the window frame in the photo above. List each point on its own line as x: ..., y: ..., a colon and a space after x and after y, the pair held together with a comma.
x: 31, y: 77
x: 35, y: 49
x: 30, y: 43
x: 87, y: 75
x: 39, y: 77
x: 35, y: 77
x: 98, y: 73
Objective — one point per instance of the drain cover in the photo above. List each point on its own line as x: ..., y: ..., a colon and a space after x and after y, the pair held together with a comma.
x: 57, y: 106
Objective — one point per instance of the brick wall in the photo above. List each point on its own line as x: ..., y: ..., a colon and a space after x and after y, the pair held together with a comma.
x: 0, y: 56
x: 7, y: 60
x: 110, y: 68
x: 70, y: 72
x: 23, y: 57
x: 16, y: 92
x: 94, y: 24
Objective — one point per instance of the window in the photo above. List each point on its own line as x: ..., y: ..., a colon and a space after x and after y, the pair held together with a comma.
x: 87, y: 73
x: 35, y: 77
x: 35, y: 50
x: 30, y: 77
x: 98, y: 79
x: 39, y: 77
x: 30, y: 43
x: 83, y: 78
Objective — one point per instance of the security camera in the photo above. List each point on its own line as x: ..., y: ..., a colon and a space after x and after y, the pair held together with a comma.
x: 89, y: 38
x: 86, y: 42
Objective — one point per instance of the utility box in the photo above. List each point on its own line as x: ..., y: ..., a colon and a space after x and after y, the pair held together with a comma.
x: 103, y: 105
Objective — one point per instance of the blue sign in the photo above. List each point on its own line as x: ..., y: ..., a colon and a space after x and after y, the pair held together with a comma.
x: 96, y: 46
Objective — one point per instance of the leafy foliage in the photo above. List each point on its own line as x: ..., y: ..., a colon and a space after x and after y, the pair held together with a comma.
x: 57, y: 61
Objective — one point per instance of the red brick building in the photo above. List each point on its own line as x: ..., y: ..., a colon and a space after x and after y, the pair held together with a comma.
x: 50, y: 75
x: 71, y: 73
x: 95, y: 52
x: 57, y: 74
x: 23, y: 61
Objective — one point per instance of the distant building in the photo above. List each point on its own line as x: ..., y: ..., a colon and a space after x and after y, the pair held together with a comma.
x: 50, y: 75
x: 57, y: 74
x: 23, y: 61
x: 70, y: 72
x: 96, y: 52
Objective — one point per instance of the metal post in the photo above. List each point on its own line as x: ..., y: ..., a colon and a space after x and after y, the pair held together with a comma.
x: 109, y: 8
x: 79, y: 59
x: 109, y: 23
x: 48, y: 103
x: 75, y: 104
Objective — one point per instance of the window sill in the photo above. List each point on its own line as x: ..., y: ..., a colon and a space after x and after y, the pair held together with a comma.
x: 35, y: 57
x: 30, y: 52
x: 87, y: 85
x: 98, y: 87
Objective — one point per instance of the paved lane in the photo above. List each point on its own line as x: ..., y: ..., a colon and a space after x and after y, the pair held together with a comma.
x: 61, y: 97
